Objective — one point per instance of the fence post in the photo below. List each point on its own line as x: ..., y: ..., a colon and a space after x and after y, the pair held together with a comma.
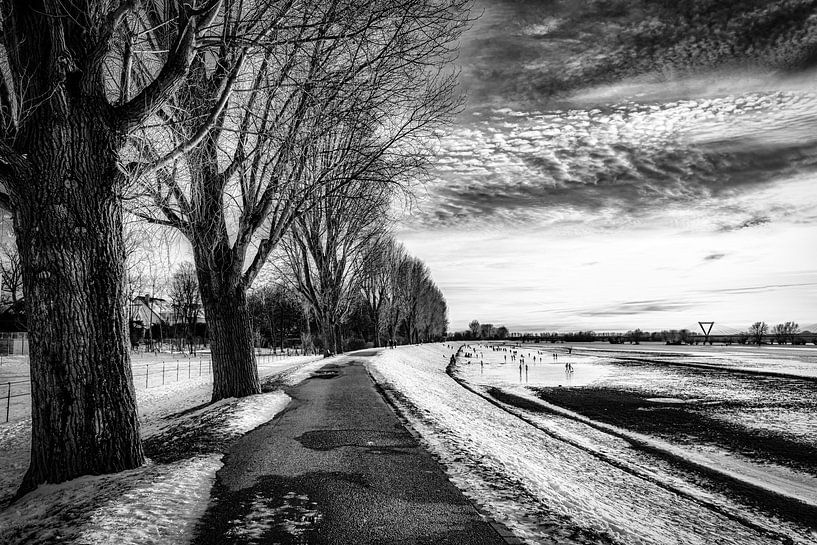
x: 147, y: 375
x: 163, y: 373
x: 199, y: 366
x: 177, y: 370
x: 8, y: 400
x: 188, y: 368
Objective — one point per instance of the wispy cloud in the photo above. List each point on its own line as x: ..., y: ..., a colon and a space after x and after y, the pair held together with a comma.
x: 752, y: 222
x: 636, y: 308
x: 614, y: 167
x: 714, y: 257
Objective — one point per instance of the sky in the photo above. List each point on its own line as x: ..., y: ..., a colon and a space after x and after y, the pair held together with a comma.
x: 576, y: 193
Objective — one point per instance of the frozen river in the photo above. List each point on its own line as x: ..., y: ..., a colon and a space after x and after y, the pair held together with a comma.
x: 568, y: 478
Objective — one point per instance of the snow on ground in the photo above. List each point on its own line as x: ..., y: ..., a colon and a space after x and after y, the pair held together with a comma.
x: 589, y: 370
x: 778, y: 402
x: 769, y: 476
x: 160, y: 502
x: 542, y: 487
x: 771, y: 359
x: 155, y: 374
x: 153, y: 504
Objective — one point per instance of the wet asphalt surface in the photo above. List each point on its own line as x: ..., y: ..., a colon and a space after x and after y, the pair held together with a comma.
x: 337, y: 466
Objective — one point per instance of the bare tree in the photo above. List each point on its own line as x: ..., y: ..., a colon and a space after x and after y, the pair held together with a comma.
x: 393, y: 303
x: 757, y: 330
x: 410, y: 301
x: 11, y: 273
x: 486, y: 331
x: 474, y: 327
x: 276, y: 311
x: 413, y: 285
x: 184, y: 293
x: 69, y: 98
x: 374, y: 283
x: 377, y: 68
x: 328, y: 249
x: 785, y: 332
x: 433, y: 315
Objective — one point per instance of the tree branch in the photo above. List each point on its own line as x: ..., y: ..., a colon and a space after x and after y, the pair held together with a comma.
x: 14, y: 169
x: 151, y: 98
x: 204, y: 129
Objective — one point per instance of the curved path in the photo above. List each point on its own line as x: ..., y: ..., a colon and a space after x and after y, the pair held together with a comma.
x: 337, y: 466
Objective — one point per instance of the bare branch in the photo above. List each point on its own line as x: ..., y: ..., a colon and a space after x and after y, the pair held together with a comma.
x: 153, y: 96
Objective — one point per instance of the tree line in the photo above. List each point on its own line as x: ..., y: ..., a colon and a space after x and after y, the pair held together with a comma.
x: 230, y: 124
x: 758, y: 333
x: 377, y: 296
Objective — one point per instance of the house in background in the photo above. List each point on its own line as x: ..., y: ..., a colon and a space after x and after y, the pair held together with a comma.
x: 153, y: 319
x: 146, y: 319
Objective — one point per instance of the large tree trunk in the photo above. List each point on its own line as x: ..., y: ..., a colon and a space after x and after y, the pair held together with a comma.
x: 68, y: 223
x: 326, y: 337
x: 330, y: 334
x: 235, y: 373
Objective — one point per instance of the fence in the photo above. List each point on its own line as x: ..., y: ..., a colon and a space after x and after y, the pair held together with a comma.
x: 148, y: 369
x: 12, y: 343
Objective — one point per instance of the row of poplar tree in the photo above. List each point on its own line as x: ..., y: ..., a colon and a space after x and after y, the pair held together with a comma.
x: 231, y: 123
x: 376, y: 295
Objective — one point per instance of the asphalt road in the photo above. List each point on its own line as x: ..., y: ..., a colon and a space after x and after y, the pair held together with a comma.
x: 337, y: 466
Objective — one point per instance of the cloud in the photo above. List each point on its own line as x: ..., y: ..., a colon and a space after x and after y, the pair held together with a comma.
x: 714, y: 257
x: 613, y: 167
x: 635, y: 308
x: 761, y: 288
x: 522, y: 54
x: 752, y: 222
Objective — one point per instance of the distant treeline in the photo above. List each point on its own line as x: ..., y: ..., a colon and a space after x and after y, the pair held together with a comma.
x: 758, y: 333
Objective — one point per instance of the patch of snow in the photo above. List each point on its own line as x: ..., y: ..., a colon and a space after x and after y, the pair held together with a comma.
x: 296, y: 516
x: 150, y: 505
x: 250, y: 412
x: 162, y: 508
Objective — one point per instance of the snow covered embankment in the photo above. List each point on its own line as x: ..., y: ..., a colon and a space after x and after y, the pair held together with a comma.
x: 160, y: 502
x: 544, y: 489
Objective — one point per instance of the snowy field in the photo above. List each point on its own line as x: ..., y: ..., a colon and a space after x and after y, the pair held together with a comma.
x: 770, y: 359
x: 150, y: 369
x: 554, y: 475
x: 158, y: 503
